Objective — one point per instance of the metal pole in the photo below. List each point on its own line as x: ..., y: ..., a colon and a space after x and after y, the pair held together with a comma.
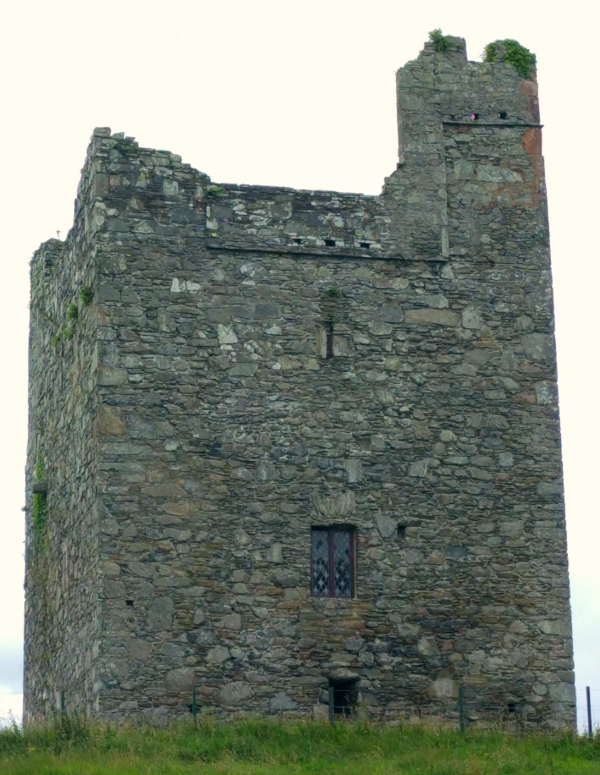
x: 461, y: 709
x: 194, y: 705
x: 589, y: 710
x: 331, y: 705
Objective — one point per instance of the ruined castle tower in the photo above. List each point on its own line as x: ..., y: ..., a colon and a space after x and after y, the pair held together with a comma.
x: 293, y: 447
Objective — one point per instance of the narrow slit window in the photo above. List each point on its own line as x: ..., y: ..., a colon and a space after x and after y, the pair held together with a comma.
x: 329, y: 340
x: 332, y: 562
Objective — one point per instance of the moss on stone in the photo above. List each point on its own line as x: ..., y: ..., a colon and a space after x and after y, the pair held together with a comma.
x: 215, y: 191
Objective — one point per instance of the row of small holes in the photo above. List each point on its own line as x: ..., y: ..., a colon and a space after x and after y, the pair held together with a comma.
x: 503, y: 114
x: 329, y: 242
x: 475, y: 116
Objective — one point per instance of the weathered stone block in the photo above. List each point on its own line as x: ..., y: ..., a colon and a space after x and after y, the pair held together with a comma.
x: 438, y: 317
x: 111, y: 420
x: 160, y: 613
x: 281, y: 702
x: 538, y: 347
x: 232, y: 622
x: 180, y: 680
x: 387, y: 527
x: 139, y: 649
x: 217, y: 655
x: 235, y: 693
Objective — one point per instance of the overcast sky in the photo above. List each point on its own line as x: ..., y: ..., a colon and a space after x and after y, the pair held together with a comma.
x: 299, y: 94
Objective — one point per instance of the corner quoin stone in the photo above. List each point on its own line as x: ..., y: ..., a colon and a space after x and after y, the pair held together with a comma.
x: 250, y: 362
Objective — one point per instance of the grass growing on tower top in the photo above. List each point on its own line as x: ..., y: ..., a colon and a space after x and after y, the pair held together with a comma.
x: 276, y: 747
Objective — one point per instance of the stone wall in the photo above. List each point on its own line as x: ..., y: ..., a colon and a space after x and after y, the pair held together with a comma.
x: 225, y: 432
x: 61, y: 582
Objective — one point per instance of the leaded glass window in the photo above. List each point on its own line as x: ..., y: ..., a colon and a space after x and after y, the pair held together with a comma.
x: 332, y: 562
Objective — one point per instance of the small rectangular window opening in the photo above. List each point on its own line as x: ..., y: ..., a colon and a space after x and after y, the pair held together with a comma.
x: 475, y: 116
x: 503, y: 114
x: 365, y: 245
x: 343, y: 698
x: 330, y: 243
x: 129, y: 603
x: 297, y: 240
x: 332, y: 561
x: 401, y: 531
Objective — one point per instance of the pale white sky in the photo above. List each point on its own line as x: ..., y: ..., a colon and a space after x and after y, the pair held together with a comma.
x: 298, y: 94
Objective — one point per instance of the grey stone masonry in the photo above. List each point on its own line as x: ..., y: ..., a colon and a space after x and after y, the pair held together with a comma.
x: 215, y: 370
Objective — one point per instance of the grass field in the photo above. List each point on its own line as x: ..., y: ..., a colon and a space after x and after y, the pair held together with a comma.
x: 273, y: 748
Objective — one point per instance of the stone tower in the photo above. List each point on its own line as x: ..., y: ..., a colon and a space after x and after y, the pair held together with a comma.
x: 287, y: 446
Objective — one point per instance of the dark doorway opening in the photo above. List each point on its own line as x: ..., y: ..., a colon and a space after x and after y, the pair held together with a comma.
x: 343, y: 698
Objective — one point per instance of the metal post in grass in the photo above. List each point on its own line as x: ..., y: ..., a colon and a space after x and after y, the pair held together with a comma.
x: 331, y: 705
x: 461, y: 709
x: 589, y: 710
x: 194, y: 706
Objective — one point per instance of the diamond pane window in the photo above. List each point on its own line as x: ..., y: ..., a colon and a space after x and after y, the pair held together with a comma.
x: 342, y: 564
x: 332, y: 562
x: 320, y: 562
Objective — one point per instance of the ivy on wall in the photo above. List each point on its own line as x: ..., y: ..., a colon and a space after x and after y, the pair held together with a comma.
x: 39, y: 505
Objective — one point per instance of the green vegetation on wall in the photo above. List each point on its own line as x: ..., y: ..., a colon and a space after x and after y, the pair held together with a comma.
x: 521, y: 58
x: 215, y: 191
x: 85, y: 295
x: 440, y: 41
x: 39, y: 504
x: 64, y: 333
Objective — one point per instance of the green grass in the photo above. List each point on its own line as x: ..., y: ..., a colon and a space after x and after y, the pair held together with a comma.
x: 273, y: 748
